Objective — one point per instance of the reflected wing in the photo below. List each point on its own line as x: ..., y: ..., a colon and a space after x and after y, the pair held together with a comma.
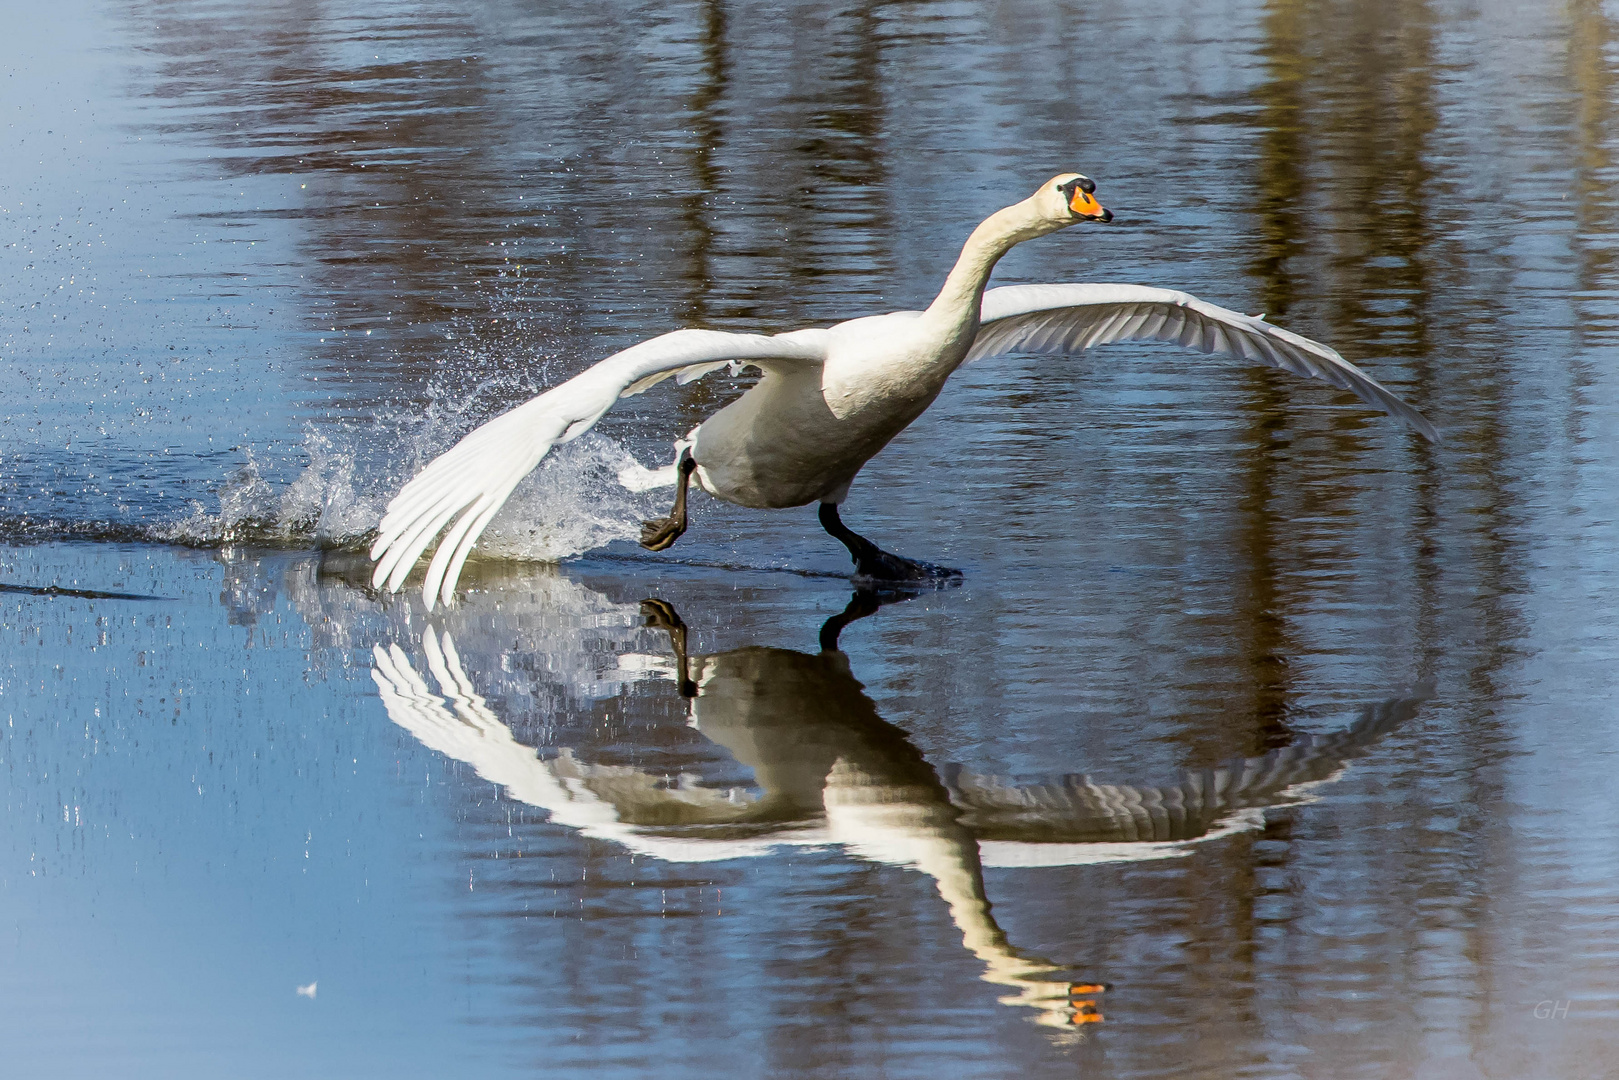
x: 458, y: 723
x: 1074, y: 809
x: 1061, y: 319
x: 470, y: 482
x: 471, y: 733
x: 647, y: 799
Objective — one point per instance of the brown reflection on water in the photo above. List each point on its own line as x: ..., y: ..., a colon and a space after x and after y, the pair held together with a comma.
x: 1372, y: 127
x: 1596, y: 88
x: 479, y: 193
x: 838, y: 180
x: 767, y: 230
x: 281, y: 96
x: 1377, y: 129
x: 436, y: 193
x: 1281, y: 184
x: 1345, y: 117
x: 1279, y: 191
x: 1345, y: 95
x: 708, y: 140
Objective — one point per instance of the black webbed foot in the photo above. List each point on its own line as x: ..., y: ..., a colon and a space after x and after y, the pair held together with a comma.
x: 881, y: 568
x: 878, y: 569
x: 661, y: 615
x: 659, y: 533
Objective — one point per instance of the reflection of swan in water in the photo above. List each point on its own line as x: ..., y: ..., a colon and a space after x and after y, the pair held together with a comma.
x: 830, y: 770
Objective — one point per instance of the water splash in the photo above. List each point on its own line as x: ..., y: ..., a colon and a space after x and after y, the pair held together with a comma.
x: 322, y: 506
x: 572, y: 503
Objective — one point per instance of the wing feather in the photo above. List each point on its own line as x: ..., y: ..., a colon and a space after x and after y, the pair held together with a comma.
x: 1056, y: 319
x: 468, y: 484
x: 1077, y: 809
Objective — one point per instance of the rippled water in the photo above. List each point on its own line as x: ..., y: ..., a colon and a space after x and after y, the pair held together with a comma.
x: 1296, y: 732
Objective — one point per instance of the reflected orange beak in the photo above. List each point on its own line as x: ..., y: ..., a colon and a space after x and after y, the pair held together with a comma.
x: 1085, y: 205
x: 1087, y: 1014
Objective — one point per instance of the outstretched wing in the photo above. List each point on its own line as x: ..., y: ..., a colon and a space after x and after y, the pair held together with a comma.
x: 472, y: 480
x: 1059, y: 319
x: 1075, y: 809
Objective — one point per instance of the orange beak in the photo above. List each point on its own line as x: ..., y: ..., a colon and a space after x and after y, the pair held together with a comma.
x: 1083, y: 204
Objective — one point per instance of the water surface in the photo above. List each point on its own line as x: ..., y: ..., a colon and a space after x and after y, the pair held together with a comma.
x: 258, y: 265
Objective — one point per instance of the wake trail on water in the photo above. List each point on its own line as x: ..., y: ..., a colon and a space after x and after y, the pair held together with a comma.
x: 572, y: 503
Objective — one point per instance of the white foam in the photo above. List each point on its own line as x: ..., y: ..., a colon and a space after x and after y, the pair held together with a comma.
x: 572, y: 503
x: 324, y: 502
x: 246, y: 504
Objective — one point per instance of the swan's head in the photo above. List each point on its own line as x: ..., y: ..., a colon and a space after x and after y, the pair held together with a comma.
x: 1069, y: 199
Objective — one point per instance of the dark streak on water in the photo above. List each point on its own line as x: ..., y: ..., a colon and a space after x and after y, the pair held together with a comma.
x: 258, y: 263
x: 82, y: 594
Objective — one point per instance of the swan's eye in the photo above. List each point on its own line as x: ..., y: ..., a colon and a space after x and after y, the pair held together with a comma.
x: 1078, y: 183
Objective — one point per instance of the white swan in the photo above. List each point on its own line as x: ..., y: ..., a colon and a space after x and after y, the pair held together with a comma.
x: 830, y: 399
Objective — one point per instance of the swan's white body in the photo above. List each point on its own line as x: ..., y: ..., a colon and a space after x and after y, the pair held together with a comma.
x: 875, y: 376
x: 830, y: 399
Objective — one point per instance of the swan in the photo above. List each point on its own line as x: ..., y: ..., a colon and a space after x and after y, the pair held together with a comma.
x: 831, y: 398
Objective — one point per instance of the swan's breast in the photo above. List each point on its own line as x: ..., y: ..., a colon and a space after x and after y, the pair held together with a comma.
x: 890, y: 367
x: 802, y: 433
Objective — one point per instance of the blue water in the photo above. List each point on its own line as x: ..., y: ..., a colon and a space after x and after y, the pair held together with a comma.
x: 259, y: 265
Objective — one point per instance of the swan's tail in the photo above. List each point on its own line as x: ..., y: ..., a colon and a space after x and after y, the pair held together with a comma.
x: 638, y: 477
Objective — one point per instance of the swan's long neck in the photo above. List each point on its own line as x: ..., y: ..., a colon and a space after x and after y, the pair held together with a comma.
x: 958, y: 303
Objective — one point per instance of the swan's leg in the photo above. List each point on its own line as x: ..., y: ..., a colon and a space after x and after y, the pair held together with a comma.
x: 874, y: 565
x: 862, y: 603
x: 659, y: 533
x: 661, y: 615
